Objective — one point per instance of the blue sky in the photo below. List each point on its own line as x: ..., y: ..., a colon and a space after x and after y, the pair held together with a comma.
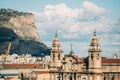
x: 75, y: 21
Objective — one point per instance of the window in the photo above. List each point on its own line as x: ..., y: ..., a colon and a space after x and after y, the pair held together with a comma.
x: 113, y: 78
x: 91, y: 56
x: 98, y: 56
x: 70, y: 77
x: 104, y: 78
x: 53, y: 57
x: 58, y: 56
x: 74, y: 76
x: 83, y: 78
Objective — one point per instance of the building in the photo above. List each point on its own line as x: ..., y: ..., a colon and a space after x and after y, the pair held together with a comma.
x: 69, y: 67
x: 93, y: 67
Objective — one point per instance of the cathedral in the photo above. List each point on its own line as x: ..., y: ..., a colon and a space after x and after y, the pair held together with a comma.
x: 61, y: 66
x: 72, y: 67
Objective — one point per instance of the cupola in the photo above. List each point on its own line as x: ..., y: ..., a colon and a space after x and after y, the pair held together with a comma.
x: 94, y: 44
x: 56, y: 44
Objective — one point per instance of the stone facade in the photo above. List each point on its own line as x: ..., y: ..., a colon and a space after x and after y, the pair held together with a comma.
x: 67, y: 67
x: 72, y: 67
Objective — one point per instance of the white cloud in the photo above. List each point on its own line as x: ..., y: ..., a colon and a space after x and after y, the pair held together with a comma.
x: 91, y: 7
x: 76, y: 21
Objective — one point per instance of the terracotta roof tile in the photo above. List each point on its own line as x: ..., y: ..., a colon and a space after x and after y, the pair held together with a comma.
x: 110, y: 60
x: 78, y: 59
x: 19, y: 66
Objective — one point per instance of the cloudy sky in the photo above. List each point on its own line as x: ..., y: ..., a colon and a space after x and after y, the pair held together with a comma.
x: 75, y: 21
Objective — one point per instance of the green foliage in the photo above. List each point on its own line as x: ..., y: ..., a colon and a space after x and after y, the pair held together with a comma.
x: 6, y: 14
x: 21, y: 46
x: 22, y: 42
x: 7, y: 34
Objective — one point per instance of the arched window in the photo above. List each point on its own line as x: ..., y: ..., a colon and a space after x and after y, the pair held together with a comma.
x: 53, y: 57
x: 91, y: 56
x: 83, y: 78
x: 113, y: 78
x: 58, y: 56
x: 104, y: 78
x: 98, y: 56
x: 70, y: 76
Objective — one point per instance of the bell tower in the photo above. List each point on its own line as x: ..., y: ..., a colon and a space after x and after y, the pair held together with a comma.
x: 56, y: 52
x: 94, y: 58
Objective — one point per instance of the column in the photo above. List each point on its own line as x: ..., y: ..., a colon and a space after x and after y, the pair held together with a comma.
x: 55, y: 76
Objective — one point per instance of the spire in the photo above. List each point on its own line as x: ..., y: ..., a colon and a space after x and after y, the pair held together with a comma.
x: 94, y: 45
x: 56, y: 34
x: 95, y: 32
x: 71, y: 52
x: 56, y: 43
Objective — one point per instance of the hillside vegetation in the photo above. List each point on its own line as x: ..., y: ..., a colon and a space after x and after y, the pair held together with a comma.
x: 19, y: 28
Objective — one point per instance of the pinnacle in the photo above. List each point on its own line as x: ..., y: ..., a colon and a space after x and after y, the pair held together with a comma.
x: 95, y: 32
x: 56, y: 35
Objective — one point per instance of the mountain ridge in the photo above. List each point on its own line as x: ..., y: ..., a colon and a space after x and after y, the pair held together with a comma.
x: 21, y: 27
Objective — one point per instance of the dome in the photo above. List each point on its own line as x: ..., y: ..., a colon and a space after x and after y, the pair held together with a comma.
x: 56, y: 44
x: 94, y: 45
x: 56, y: 41
x: 95, y: 41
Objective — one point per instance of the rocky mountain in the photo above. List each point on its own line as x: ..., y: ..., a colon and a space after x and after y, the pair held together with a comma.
x: 19, y: 28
